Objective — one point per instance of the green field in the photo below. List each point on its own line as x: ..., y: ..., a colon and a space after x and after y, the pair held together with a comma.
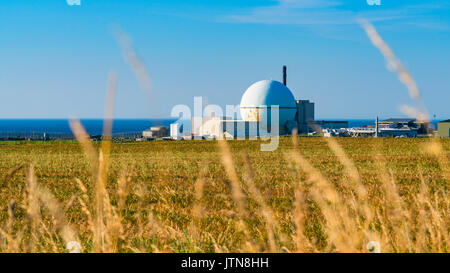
x: 185, y: 197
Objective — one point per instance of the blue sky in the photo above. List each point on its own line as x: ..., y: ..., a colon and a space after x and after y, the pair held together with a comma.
x: 55, y: 58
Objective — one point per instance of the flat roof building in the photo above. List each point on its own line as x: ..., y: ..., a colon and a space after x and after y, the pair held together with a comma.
x: 305, y: 116
x: 444, y: 128
x: 404, y: 123
x: 156, y: 132
x: 218, y: 128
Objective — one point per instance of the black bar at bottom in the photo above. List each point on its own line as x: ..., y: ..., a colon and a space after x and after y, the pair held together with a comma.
x: 198, y: 262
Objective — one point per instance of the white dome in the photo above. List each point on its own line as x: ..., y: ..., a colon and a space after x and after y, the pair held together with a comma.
x: 261, y: 95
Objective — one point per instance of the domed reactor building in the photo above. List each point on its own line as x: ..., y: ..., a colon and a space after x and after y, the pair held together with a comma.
x: 256, y: 112
x: 257, y: 101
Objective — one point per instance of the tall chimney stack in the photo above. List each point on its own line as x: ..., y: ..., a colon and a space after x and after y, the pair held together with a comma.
x: 284, y: 75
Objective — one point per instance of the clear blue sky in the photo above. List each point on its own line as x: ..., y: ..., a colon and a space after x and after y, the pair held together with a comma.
x: 55, y: 58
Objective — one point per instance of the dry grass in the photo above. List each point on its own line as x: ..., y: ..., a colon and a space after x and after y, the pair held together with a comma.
x: 308, y: 196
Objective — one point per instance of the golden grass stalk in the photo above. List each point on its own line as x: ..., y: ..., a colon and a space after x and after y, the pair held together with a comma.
x: 36, y: 193
x: 33, y: 206
x: 299, y: 206
x: 434, y: 147
x: 197, y: 210
x: 13, y: 242
x: 393, y: 62
x: 237, y: 193
x: 107, y: 225
x: 122, y: 191
x: 65, y: 230
x: 236, y: 190
x: 83, y: 138
x: 102, y: 240
x: 299, y: 215
x: 349, y: 167
x: 433, y: 225
x: 340, y: 225
x: 264, y: 210
x: 396, y: 217
x: 360, y: 205
x: 133, y: 59
x: 11, y: 216
x: 97, y: 167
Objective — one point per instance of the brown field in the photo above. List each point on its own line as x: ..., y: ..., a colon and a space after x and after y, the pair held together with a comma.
x: 205, y: 196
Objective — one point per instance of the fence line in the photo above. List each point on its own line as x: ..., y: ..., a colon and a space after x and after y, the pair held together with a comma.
x: 40, y: 135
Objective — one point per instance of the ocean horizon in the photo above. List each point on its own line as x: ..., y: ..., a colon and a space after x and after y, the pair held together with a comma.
x: 61, y: 128
x: 121, y: 127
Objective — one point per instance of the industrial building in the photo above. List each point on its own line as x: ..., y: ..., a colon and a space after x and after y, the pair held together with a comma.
x: 403, y: 124
x: 305, y: 116
x: 332, y: 124
x: 156, y: 132
x: 444, y: 128
x: 230, y: 129
x: 393, y: 127
x: 255, y: 109
x: 398, y: 132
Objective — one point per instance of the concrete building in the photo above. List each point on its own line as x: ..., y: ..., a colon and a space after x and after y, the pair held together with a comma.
x: 201, y: 126
x: 444, y: 128
x: 398, y: 132
x: 403, y: 123
x: 305, y: 116
x: 216, y: 128
x: 156, y: 132
x: 176, y: 130
x: 387, y: 128
x: 400, y: 127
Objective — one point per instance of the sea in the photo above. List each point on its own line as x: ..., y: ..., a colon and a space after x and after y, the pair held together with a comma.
x: 59, y: 128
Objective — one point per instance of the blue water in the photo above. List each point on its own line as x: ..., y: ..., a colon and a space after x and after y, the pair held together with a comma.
x: 60, y: 127
x: 121, y: 127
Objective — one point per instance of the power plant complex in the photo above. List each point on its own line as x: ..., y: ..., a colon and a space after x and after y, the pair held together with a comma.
x: 268, y: 107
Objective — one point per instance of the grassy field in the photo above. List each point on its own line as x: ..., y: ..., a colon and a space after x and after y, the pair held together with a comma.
x: 320, y: 195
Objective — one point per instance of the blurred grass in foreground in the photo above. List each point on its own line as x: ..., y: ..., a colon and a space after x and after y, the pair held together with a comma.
x: 179, y: 197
